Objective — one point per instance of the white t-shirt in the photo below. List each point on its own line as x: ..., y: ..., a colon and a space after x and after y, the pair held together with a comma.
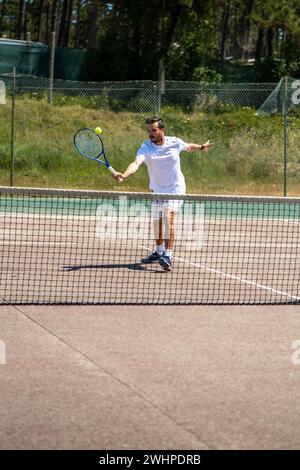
x: 163, y: 162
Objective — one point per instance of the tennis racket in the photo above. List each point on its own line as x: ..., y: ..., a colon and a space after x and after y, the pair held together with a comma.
x: 90, y: 145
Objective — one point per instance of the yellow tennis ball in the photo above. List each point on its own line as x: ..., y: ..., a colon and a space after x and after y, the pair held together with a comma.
x: 98, y: 130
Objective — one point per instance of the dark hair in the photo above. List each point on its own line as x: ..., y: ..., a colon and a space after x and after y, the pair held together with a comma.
x: 155, y: 119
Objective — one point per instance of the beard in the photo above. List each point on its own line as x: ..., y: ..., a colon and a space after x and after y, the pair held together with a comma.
x: 155, y: 138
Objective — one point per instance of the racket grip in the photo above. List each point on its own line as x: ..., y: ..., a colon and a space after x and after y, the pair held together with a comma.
x: 110, y: 168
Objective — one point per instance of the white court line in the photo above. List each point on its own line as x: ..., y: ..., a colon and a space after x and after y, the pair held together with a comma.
x: 230, y: 276
x: 55, y: 216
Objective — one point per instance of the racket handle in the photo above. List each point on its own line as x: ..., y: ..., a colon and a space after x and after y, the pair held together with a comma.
x: 110, y: 168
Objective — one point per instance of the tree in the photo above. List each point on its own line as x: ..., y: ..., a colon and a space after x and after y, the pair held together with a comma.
x: 194, y: 37
x: 54, y: 15
x: 224, y: 28
x: 38, y: 25
x: 2, y: 13
x: 20, y: 33
x: 62, y: 23
x: 95, y: 9
x: 246, y: 25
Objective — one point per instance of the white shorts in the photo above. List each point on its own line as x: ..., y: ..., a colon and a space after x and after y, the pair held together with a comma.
x: 161, y: 206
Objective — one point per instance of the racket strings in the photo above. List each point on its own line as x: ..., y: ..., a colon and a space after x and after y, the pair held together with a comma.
x: 88, y: 144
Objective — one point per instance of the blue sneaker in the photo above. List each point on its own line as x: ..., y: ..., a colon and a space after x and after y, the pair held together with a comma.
x: 166, y: 262
x: 152, y: 258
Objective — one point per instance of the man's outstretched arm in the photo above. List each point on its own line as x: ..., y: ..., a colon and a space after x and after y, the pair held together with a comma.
x: 130, y: 170
x: 205, y: 147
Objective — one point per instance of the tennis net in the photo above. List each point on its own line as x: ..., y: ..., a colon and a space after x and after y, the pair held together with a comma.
x: 85, y: 247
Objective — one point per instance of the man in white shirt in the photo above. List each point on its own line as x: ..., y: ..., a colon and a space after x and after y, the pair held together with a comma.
x: 161, y: 154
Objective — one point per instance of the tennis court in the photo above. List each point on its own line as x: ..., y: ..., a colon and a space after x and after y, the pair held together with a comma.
x: 60, y: 247
x: 146, y: 376
x: 149, y: 377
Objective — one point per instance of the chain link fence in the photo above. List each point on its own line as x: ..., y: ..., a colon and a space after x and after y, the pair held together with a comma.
x: 254, y: 128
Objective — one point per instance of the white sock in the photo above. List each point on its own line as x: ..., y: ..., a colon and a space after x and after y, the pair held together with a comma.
x: 169, y: 253
x: 160, y: 249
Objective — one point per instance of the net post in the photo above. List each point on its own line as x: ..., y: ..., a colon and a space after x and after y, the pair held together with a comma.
x: 51, y: 67
x: 285, y: 125
x: 12, y: 132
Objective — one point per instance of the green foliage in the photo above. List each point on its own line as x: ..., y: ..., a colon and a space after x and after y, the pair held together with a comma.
x: 123, y: 40
x: 205, y: 74
x: 270, y: 70
x: 246, y: 157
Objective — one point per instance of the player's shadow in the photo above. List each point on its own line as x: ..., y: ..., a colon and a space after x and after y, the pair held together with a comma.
x: 131, y: 266
x: 150, y: 268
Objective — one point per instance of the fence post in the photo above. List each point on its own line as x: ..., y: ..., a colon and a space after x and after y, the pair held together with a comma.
x: 285, y: 125
x: 161, y: 84
x: 12, y: 131
x: 51, y: 67
x: 155, y: 99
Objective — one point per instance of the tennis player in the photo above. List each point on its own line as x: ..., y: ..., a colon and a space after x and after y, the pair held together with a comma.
x: 161, y: 154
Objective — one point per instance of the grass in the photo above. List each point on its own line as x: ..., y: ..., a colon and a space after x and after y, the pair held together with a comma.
x: 247, y: 157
